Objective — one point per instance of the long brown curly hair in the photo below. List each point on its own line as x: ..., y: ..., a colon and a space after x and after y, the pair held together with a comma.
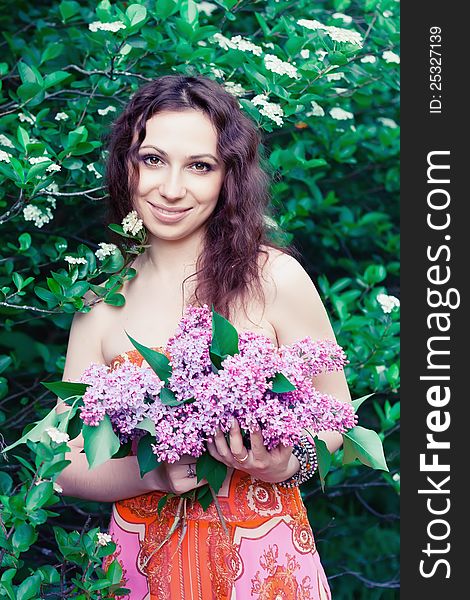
x: 228, y: 266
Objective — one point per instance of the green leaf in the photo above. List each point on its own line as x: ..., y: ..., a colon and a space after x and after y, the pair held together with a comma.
x: 357, y: 403
x: 23, y: 537
x: 281, y: 384
x: 212, y: 470
x: 114, y: 572
x: 66, y: 389
x: 115, y: 299
x: 224, y: 336
x: 157, y: 361
x: 36, y: 433
x: 366, y: 446
x: 38, y: 495
x: 146, y: 458
x: 204, y: 497
x: 168, y: 398
x: 136, y: 13
x: 189, y: 11
x: 29, y: 588
x: 69, y: 9
x: 118, y: 229
x: 5, y: 362
x: 25, y: 241
x: 100, y: 442
x: 123, y: 450
x: 161, y: 503
x: 6, y: 483
x: 55, y: 78
x: 27, y: 74
x: 147, y: 425
x: 323, y: 459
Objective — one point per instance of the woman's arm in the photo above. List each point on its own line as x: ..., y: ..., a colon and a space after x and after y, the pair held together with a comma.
x: 118, y: 478
x: 295, y: 310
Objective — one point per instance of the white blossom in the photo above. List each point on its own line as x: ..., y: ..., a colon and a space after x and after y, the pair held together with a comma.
x: 34, y: 160
x: 368, y: 58
x: 269, y: 109
x: 387, y: 303
x: 321, y: 54
x: 104, y: 111
x: 339, y: 90
x: 56, y: 435
x: 396, y: 477
x: 57, y: 488
x: 105, y: 250
x: 338, y: 34
x: 387, y: 13
x: 305, y: 53
x: 340, y: 114
x: 387, y: 122
x: 91, y: 167
x: 245, y: 45
x: 276, y: 65
x: 218, y: 72
x: 391, y: 57
x: 4, y: 156
x: 207, y: 7
x: 34, y: 213
x: 4, y: 141
x: 72, y: 260
x: 317, y: 110
x: 26, y: 119
x: 334, y: 76
x: 52, y: 188
x: 202, y: 43
x: 99, y: 25
x: 234, y: 88
x: 223, y: 42
x: 344, y: 18
x: 103, y: 539
x: 131, y: 223
x: 269, y: 45
x: 61, y: 116
x: 52, y: 168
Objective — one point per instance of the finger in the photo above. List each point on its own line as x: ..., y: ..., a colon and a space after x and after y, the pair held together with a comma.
x: 221, y: 445
x: 236, y: 441
x: 212, y: 449
x: 257, y: 444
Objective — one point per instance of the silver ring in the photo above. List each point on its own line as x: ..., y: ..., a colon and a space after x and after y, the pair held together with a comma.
x: 241, y: 460
x: 190, y: 471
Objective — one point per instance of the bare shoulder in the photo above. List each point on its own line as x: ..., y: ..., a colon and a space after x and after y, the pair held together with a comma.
x: 85, y: 337
x: 280, y: 271
x: 293, y: 304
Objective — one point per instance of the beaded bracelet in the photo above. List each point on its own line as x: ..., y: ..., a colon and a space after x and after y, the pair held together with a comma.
x: 307, y: 457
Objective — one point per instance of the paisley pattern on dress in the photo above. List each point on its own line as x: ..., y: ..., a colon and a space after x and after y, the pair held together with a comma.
x: 269, y: 554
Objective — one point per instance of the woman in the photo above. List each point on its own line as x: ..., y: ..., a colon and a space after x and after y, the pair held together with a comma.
x: 183, y: 155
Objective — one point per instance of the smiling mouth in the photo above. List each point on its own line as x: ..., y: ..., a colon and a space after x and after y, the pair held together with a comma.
x: 169, y: 211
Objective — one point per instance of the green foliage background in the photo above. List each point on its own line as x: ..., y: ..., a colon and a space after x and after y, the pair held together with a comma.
x: 335, y: 194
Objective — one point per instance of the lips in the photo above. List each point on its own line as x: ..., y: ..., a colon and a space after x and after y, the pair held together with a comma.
x: 168, y: 215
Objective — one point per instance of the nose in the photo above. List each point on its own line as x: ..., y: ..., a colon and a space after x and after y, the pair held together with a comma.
x: 171, y: 187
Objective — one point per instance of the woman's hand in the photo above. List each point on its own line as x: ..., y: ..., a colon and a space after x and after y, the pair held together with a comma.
x: 180, y: 477
x: 270, y: 466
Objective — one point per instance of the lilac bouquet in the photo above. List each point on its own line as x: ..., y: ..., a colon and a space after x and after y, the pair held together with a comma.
x: 261, y: 385
x: 207, y: 376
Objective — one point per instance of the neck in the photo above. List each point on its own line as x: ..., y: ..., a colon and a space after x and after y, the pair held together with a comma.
x: 172, y: 258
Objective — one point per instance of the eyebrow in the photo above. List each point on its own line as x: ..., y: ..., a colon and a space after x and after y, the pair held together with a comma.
x: 193, y: 156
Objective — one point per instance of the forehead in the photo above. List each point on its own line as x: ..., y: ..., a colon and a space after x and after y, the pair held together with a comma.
x: 181, y: 131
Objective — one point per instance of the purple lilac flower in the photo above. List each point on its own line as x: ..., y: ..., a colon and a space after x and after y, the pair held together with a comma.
x: 241, y: 389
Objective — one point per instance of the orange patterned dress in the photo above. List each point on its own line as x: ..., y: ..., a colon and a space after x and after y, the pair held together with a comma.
x: 268, y: 554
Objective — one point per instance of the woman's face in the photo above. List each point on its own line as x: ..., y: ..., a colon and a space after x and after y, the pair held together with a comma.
x: 180, y: 174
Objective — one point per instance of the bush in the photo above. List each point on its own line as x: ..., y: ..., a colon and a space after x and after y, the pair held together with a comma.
x: 328, y: 109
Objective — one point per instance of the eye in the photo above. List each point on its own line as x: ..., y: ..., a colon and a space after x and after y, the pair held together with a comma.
x: 149, y: 159
x: 206, y: 167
